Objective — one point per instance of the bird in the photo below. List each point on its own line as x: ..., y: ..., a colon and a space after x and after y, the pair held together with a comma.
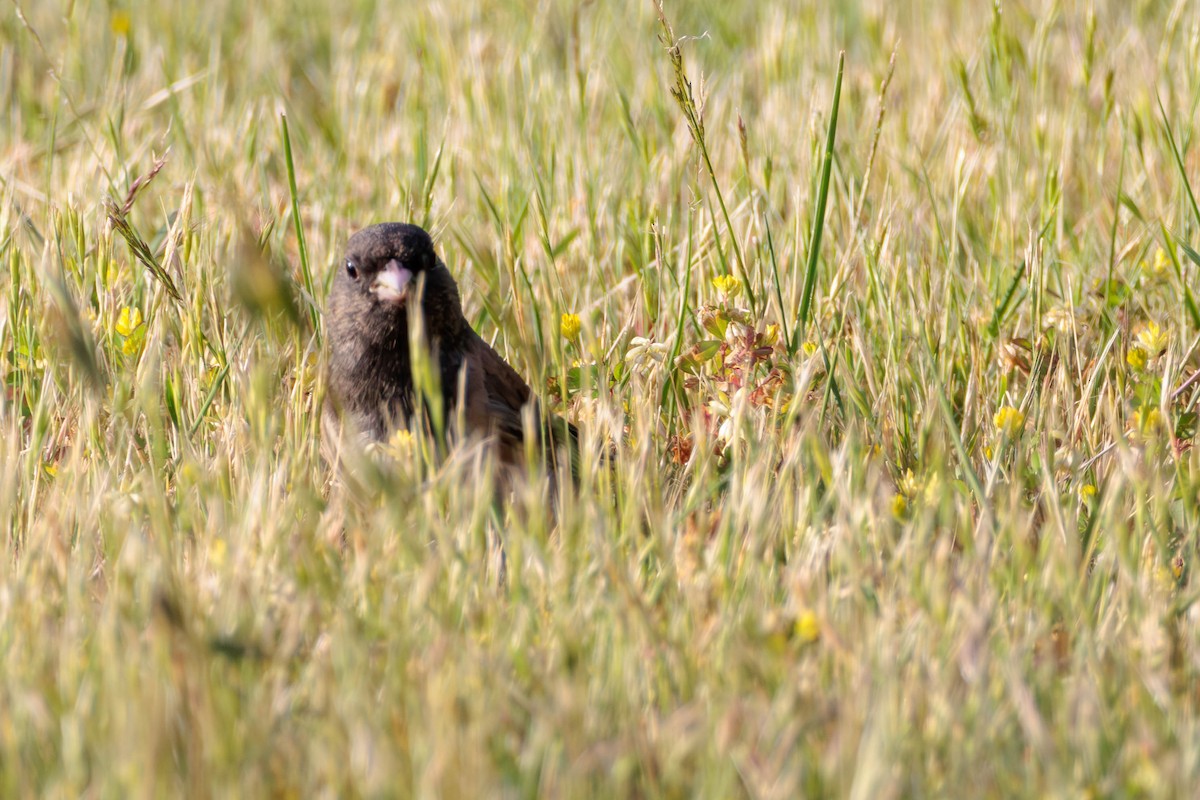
x: 388, y: 271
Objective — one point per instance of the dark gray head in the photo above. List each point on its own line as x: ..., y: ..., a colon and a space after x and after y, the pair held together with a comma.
x: 383, y: 268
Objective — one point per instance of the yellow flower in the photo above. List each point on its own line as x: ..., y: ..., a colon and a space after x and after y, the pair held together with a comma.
x: 1136, y: 358
x: 1087, y: 491
x: 908, y: 484
x: 727, y: 286
x: 809, y: 348
x: 1009, y: 421
x: 129, y: 320
x: 216, y: 552
x: 899, y: 506
x: 1152, y: 339
x: 569, y: 327
x: 119, y: 23
x: 1146, y: 419
x: 132, y: 329
x: 401, y: 444
x: 771, y: 335
x: 1160, y: 263
x: 398, y: 449
x: 808, y: 628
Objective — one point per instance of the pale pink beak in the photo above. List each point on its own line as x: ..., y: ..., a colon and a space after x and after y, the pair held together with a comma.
x: 391, y: 284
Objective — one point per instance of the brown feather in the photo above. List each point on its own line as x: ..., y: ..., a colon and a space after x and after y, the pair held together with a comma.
x: 370, y: 367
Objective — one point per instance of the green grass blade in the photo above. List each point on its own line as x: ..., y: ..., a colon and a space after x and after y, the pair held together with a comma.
x: 301, y: 242
x: 1189, y: 300
x: 814, y: 251
x: 1187, y: 186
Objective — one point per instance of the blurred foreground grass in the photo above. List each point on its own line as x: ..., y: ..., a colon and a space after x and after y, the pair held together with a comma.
x: 933, y: 538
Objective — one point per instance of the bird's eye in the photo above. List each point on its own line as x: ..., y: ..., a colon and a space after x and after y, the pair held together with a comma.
x: 351, y: 270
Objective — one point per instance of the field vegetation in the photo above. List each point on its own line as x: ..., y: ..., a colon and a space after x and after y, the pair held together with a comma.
x: 886, y: 310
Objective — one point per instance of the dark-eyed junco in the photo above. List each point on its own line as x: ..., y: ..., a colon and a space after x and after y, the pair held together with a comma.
x: 387, y: 269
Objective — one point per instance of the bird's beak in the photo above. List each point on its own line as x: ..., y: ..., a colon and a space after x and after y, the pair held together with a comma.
x: 391, y: 284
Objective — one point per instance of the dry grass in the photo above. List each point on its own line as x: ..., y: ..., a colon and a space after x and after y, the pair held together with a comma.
x: 933, y: 538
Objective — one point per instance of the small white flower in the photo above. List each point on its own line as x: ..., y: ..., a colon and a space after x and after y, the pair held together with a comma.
x: 730, y: 412
x: 718, y: 408
x: 737, y: 333
x: 644, y: 354
x: 1059, y: 319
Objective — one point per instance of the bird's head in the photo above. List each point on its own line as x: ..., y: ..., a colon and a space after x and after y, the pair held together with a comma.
x: 386, y: 268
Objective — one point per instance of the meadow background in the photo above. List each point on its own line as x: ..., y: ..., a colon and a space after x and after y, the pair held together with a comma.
x: 913, y: 517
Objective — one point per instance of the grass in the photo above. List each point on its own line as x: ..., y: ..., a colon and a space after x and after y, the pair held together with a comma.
x: 904, y: 500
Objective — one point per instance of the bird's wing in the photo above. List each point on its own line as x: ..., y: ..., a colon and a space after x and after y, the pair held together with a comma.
x: 495, y: 397
x: 504, y: 386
